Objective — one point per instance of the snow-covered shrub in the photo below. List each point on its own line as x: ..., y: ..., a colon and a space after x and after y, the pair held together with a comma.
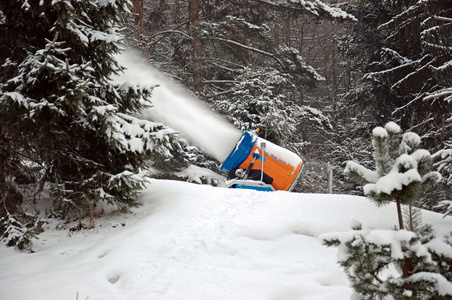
x: 395, y: 264
x: 373, y: 259
x: 13, y: 232
x: 443, y: 162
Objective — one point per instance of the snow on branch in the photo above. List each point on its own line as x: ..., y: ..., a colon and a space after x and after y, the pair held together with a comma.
x: 137, y: 135
x: 316, y: 8
x: 367, y: 175
x: 444, y: 19
x: 17, y: 98
x: 446, y: 204
x: 446, y: 93
x: 394, y: 54
x: 395, y: 180
x: 317, y: 117
x: 165, y: 32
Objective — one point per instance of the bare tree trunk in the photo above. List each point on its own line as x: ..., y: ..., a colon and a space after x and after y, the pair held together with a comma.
x: 138, y: 12
x: 407, y: 266
x: 138, y: 22
x: 138, y: 17
x: 193, y: 8
x: 399, y: 213
x: 2, y: 164
x: 2, y: 171
x: 411, y: 217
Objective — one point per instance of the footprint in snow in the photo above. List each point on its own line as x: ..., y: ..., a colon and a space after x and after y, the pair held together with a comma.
x: 113, y: 277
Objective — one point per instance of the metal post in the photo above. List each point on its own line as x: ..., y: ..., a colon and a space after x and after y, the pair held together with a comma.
x: 330, y: 179
x: 263, y: 146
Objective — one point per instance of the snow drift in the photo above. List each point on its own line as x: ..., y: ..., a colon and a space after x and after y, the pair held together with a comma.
x: 198, y: 242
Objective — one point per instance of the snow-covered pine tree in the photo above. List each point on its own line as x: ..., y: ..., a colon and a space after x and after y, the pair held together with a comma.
x: 402, y: 170
x: 348, y: 141
x: 60, y: 111
x: 14, y: 233
x: 443, y: 164
x: 258, y: 101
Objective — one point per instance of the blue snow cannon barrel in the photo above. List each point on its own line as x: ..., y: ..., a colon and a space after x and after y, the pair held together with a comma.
x: 239, y: 154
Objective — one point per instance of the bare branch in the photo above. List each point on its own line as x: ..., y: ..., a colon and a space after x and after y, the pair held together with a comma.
x: 219, y: 81
x: 262, y: 52
x: 170, y: 31
x: 167, y: 32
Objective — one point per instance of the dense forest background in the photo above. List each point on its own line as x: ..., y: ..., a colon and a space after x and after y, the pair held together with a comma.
x: 316, y: 78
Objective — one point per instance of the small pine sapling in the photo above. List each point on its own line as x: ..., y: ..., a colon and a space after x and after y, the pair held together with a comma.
x: 395, y: 264
x: 401, y: 169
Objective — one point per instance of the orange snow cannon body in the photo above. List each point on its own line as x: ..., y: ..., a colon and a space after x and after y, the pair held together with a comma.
x: 256, y: 163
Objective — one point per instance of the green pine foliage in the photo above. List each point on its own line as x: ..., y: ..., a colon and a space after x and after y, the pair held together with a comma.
x: 402, y: 170
x: 412, y: 217
x: 395, y: 264
x: 446, y: 205
x: 373, y: 261
x: 60, y: 110
x: 14, y: 233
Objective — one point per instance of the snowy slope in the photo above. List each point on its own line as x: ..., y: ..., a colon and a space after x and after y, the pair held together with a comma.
x: 189, y: 241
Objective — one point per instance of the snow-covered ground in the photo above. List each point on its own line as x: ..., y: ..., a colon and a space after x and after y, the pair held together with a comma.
x: 190, y: 241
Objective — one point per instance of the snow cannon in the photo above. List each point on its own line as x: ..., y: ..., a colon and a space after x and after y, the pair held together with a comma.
x: 258, y: 164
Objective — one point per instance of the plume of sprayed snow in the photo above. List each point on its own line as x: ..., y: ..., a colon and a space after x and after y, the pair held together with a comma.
x: 177, y: 108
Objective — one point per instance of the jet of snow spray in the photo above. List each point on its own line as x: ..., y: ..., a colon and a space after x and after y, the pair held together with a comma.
x: 174, y: 106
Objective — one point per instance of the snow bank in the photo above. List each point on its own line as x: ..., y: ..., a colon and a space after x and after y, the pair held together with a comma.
x: 189, y: 241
